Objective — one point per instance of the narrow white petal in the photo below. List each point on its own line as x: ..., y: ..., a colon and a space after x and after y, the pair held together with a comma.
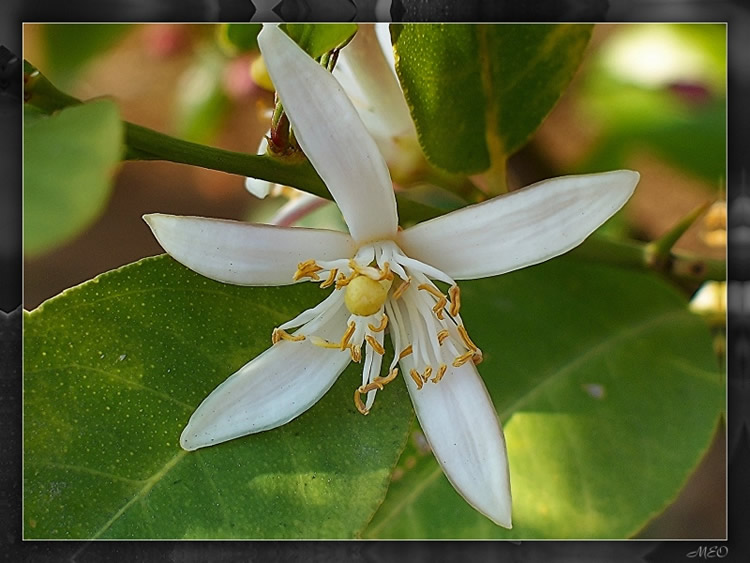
x: 332, y: 136
x: 520, y: 228
x: 461, y: 426
x: 274, y: 388
x: 259, y: 188
x: 245, y: 253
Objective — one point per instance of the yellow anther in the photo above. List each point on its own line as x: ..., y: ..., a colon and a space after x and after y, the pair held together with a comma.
x: 442, y: 335
x: 415, y: 376
x: 365, y: 296
x: 385, y: 273
x: 405, y: 352
x: 375, y: 344
x: 477, y: 357
x: 356, y: 353
x: 463, y: 358
x: 323, y: 343
x: 347, y: 335
x: 359, y: 404
x: 427, y: 373
x: 381, y: 326
x: 455, y: 295
x: 440, y: 373
x: 343, y: 280
x: 465, y: 337
x: 307, y: 269
x: 369, y: 271
x: 442, y: 301
x: 402, y: 288
x: 330, y: 280
x: 281, y: 334
x: 379, y: 382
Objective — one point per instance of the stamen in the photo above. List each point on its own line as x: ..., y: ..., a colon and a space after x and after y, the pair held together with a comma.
x: 402, y: 288
x: 415, y: 376
x: 347, y: 335
x: 330, y: 280
x: 465, y: 337
x: 442, y: 335
x: 455, y: 294
x: 375, y: 344
x: 281, y: 334
x: 343, y: 280
x: 463, y: 358
x: 440, y: 373
x: 323, y: 343
x: 405, y: 352
x: 477, y: 357
x: 356, y: 353
x: 385, y: 273
x: 427, y: 373
x: 359, y: 404
x: 379, y: 382
x: 369, y: 271
x: 307, y: 269
x: 381, y: 326
x: 442, y: 300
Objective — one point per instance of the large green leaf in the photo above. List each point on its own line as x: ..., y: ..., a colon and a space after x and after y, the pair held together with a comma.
x: 477, y: 92
x: 69, y: 160
x: 320, y: 38
x: 609, y: 392
x: 113, y: 370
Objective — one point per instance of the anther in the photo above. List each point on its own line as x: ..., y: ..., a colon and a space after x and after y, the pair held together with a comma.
x: 440, y: 373
x: 323, y: 343
x: 442, y: 335
x: 379, y: 382
x: 347, y: 335
x: 405, y: 352
x: 463, y: 358
x: 401, y: 288
x: 280, y: 334
x: 343, y: 280
x: 442, y: 301
x: 427, y: 373
x: 375, y: 344
x: 356, y: 353
x: 359, y: 404
x: 465, y: 337
x: 385, y: 273
x: 415, y: 376
x: 330, y: 280
x: 455, y: 295
x: 307, y: 269
x: 381, y: 326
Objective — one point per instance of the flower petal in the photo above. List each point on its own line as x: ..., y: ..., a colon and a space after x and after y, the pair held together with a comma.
x: 461, y: 426
x: 259, y: 188
x: 521, y: 228
x: 332, y: 136
x: 274, y: 388
x: 244, y: 253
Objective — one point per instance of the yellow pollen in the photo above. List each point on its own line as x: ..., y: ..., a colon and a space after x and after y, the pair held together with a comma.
x: 442, y: 335
x: 375, y: 345
x: 465, y: 337
x: 440, y: 373
x: 356, y: 353
x: 307, y: 269
x: 385, y: 273
x: 381, y: 326
x: 427, y: 373
x: 455, y: 295
x: 401, y: 289
x: 323, y: 343
x: 415, y: 376
x: 281, y: 334
x: 343, y: 280
x: 405, y: 352
x: 364, y: 296
x: 330, y: 280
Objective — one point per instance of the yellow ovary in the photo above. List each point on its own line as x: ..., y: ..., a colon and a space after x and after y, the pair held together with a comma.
x: 365, y: 296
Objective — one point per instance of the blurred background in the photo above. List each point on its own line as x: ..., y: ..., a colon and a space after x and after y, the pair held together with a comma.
x: 649, y: 97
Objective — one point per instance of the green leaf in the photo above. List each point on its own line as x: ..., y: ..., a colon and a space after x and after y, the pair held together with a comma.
x: 238, y: 37
x: 609, y: 392
x: 69, y: 160
x: 113, y: 370
x: 478, y: 92
x: 317, y: 39
x: 68, y: 47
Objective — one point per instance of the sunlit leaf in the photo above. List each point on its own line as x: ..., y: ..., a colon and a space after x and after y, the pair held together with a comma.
x: 317, y: 39
x: 609, y: 392
x: 69, y: 161
x: 477, y: 92
x: 113, y: 370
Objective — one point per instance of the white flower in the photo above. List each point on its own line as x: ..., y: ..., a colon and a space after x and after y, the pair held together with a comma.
x: 382, y: 280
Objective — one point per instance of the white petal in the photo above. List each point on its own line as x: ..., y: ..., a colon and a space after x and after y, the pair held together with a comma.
x: 245, y: 253
x: 461, y: 425
x: 259, y: 188
x: 277, y: 386
x: 520, y: 228
x: 332, y: 136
